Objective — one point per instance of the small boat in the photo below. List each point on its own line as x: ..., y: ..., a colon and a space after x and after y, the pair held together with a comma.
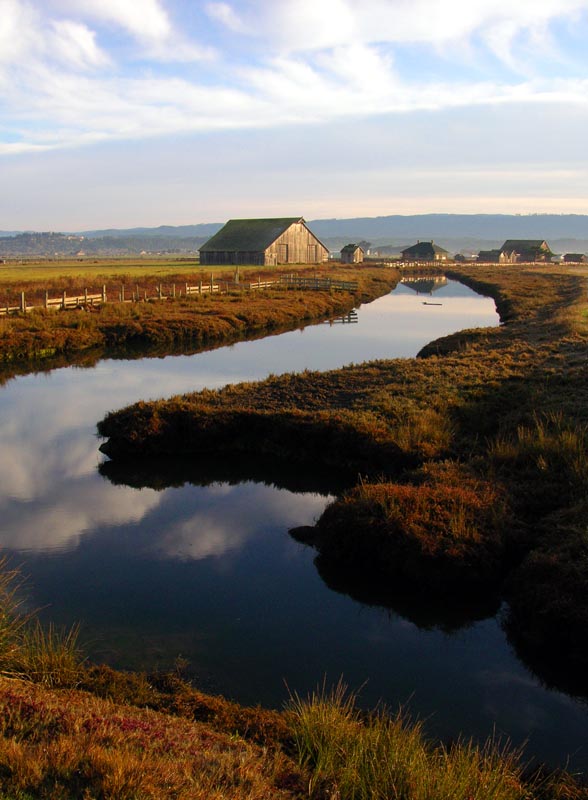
x: 431, y: 304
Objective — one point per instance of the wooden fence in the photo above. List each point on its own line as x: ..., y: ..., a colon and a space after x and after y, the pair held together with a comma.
x: 127, y: 294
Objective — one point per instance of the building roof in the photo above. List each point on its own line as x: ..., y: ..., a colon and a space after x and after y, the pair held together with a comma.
x: 524, y: 244
x: 251, y: 235
x: 351, y: 248
x: 424, y: 249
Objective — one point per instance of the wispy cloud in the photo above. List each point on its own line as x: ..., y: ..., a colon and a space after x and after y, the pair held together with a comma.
x: 66, y: 81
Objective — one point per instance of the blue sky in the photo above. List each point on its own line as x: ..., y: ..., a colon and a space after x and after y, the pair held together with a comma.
x: 116, y: 113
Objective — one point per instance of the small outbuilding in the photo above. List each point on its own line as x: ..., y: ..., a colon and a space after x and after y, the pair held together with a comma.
x: 264, y: 243
x: 425, y: 251
x: 575, y: 258
x: 352, y: 254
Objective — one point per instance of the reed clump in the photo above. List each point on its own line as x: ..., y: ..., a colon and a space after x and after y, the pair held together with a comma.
x: 378, y: 756
x: 27, y: 650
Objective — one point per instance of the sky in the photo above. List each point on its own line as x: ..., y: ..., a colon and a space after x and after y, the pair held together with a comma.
x: 119, y: 113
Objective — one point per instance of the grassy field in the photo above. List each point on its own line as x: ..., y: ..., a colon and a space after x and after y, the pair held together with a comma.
x: 30, y: 271
x: 474, y: 461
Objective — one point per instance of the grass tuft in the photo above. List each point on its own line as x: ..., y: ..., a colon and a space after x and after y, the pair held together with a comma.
x: 379, y: 756
x: 27, y: 650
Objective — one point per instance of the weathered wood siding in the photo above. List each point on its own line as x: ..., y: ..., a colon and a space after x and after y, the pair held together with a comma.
x: 220, y: 257
x: 297, y: 245
x: 355, y: 257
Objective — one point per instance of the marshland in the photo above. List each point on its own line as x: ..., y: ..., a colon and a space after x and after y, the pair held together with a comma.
x: 440, y: 500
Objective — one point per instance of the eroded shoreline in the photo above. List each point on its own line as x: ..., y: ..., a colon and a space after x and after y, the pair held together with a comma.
x: 474, y: 458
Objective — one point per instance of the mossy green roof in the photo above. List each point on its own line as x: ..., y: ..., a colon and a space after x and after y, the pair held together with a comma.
x: 250, y: 235
x: 423, y: 249
x: 524, y: 244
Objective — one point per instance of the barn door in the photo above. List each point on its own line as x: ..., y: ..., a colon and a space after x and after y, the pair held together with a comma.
x: 282, y: 254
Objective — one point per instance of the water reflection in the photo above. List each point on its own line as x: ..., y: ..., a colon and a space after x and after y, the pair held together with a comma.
x: 412, y: 602
x: 174, y: 471
x: 194, y: 558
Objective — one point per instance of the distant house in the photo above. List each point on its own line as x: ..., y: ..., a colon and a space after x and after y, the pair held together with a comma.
x: 489, y: 256
x: 265, y: 243
x: 515, y: 251
x: 352, y: 254
x: 575, y: 258
x: 425, y: 251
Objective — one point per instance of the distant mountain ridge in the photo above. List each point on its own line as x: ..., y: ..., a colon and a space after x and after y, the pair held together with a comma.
x: 463, y: 226
x: 203, y: 229
x: 388, y: 234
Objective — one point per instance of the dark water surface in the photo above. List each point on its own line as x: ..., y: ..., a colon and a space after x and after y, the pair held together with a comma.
x: 208, y: 571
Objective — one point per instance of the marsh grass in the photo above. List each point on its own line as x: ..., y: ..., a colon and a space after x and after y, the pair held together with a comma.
x: 546, y: 462
x: 50, y: 655
x: 27, y: 650
x: 382, y: 756
x: 194, y: 321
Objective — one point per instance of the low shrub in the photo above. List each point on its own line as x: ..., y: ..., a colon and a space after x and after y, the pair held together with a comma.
x: 441, y: 532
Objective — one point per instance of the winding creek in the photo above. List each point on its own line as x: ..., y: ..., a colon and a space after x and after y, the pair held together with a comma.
x: 207, y: 571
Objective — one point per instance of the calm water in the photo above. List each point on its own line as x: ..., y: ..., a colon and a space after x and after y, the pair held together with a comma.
x: 208, y: 571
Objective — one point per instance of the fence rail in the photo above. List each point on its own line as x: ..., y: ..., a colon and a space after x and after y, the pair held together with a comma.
x: 126, y: 294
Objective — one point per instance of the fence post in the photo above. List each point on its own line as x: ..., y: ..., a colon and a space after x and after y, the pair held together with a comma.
x: 46, y: 299
x: 211, y: 282
x: 63, y: 300
x: 259, y: 281
x: 137, y: 291
x: 200, y: 287
x: 187, y: 292
x: 173, y: 290
x: 86, y: 297
x: 159, y: 291
x: 104, y: 294
x: 122, y: 293
x: 23, y: 305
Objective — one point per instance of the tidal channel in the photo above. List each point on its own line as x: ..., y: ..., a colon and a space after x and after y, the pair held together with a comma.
x: 155, y: 568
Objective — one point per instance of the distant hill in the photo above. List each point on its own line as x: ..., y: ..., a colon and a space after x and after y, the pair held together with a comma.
x: 203, y: 230
x: 451, y: 226
x: 387, y: 235
x: 455, y: 232
x: 60, y: 245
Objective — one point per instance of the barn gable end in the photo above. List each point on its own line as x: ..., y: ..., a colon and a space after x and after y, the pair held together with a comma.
x: 264, y: 242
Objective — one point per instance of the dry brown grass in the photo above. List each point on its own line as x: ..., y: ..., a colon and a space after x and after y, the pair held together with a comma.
x: 69, y: 744
x: 189, y: 322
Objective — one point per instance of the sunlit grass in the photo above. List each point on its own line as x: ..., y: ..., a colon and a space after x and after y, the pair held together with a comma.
x: 28, y: 650
x: 380, y: 756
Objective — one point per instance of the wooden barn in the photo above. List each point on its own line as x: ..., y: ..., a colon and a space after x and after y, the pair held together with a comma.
x: 575, y: 258
x: 264, y: 243
x: 516, y: 251
x: 425, y: 251
x: 352, y: 254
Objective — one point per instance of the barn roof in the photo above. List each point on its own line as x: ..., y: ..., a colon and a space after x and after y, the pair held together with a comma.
x: 351, y: 248
x: 251, y: 235
x: 423, y: 249
x: 523, y: 244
